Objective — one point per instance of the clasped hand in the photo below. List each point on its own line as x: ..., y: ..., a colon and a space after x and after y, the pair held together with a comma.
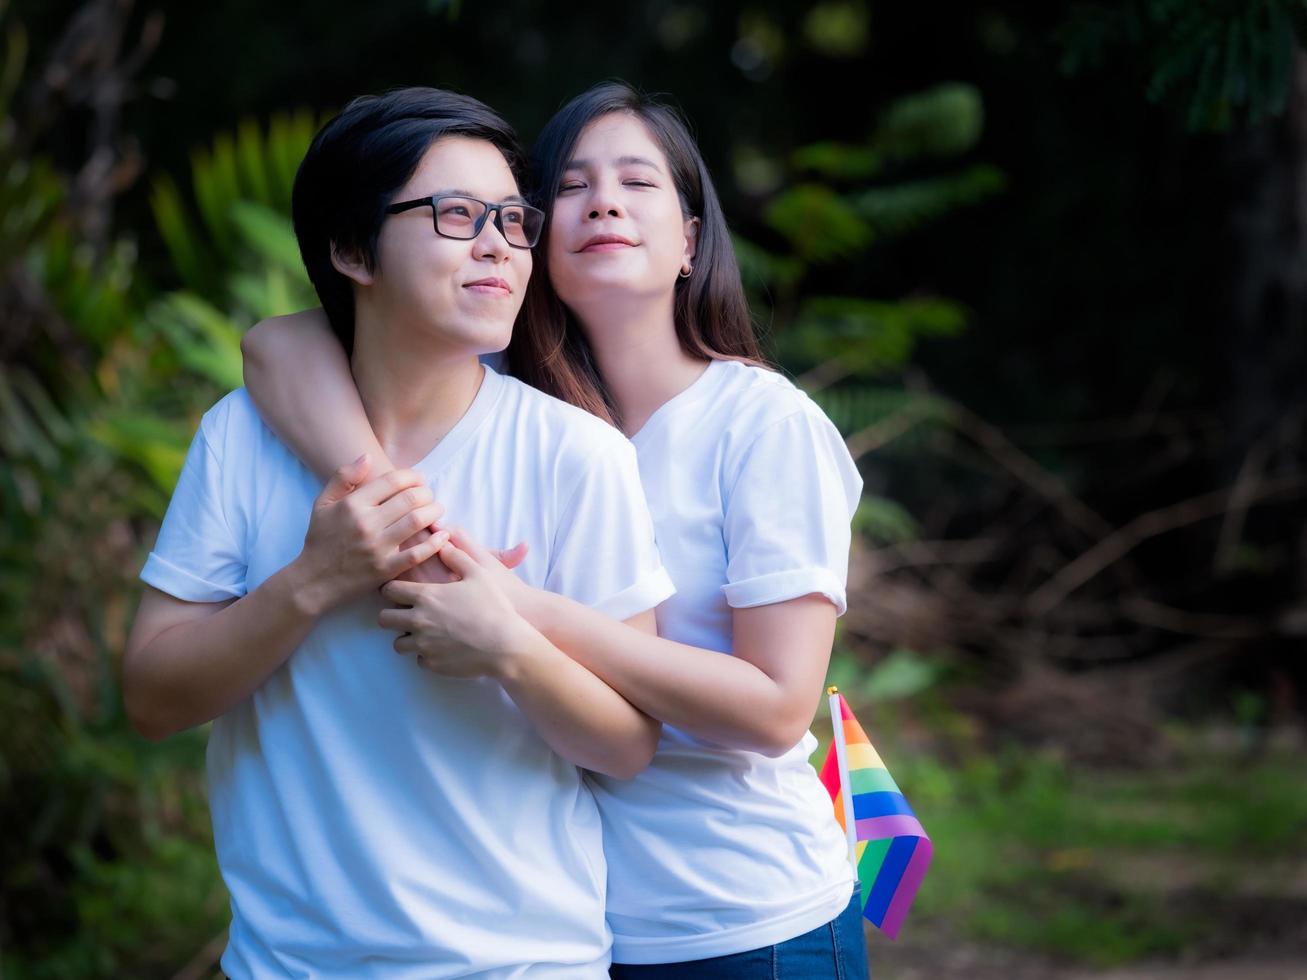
x: 468, y: 627
x: 456, y: 613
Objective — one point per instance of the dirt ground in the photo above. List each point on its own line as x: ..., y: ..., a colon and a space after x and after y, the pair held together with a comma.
x: 945, y: 957
x: 965, y: 962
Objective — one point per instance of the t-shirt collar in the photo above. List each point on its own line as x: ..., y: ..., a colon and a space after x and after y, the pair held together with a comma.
x: 483, y: 403
x: 699, y: 387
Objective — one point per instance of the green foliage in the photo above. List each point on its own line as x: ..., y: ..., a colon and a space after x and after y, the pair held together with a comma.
x: 850, y: 347
x: 856, y: 407
x: 818, y: 223
x: 240, y: 263
x: 762, y: 270
x: 904, y: 207
x: 833, y: 220
x: 109, y: 869
x: 943, y: 121
x: 838, y: 28
x: 882, y: 520
x: 900, y: 675
x: 1228, y: 60
x: 870, y: 336
x: 204, y: 337
x: 105, y: 848
x: 242, y: 186
x: 30, y: 193
x: 155, y: 444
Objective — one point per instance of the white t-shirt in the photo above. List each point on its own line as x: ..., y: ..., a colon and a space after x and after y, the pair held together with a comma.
x: 372, y: 819
x: 711, y: 850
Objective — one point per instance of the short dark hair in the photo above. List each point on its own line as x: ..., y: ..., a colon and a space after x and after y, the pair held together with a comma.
x: 548, y: 349
x: 357, y: 162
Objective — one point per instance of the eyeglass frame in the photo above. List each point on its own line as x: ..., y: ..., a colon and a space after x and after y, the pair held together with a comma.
x: 496, y: 207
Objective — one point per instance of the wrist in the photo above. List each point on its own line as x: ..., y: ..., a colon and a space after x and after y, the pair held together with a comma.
x: 536, y: 606
x: 524, y: 653
x: 305, y: 589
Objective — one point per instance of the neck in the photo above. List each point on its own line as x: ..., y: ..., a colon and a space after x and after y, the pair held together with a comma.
x: 414, y: 389
x: 638, y: 354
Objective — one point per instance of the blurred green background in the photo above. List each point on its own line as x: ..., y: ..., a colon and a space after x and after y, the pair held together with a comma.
x: 1045, y: 266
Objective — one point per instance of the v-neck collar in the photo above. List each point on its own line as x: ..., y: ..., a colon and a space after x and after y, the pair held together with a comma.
x: 698, y: 387
x: 483, y: 403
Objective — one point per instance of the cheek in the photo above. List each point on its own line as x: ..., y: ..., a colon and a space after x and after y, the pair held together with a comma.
x: 555, y: 257
x: 400, y: 248
x: 673, y: 227
x: 519, y: 273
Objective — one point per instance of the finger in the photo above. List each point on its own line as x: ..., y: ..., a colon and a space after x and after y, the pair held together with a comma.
x: 404, y: 502
x: 459, y: 562
x: 512, y: 557
x: 388, y: 484
x: 412, y: 557
x: 408, y: 525
x: 465, y: 542
x: 435, y: 524
x: 397, y: 620
x: 402, y: 593
x: 405, y: 644
x: 482, y: 555
x: 344, y: 481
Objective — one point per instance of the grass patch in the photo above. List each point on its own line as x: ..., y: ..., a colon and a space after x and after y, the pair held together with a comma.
x: 1101, y: 867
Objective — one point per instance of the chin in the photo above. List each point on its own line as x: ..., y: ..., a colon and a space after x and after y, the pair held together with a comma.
x: 603, y: 277
x: 488, y: 339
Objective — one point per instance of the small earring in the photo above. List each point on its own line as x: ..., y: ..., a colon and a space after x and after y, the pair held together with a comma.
x: 685, y: 271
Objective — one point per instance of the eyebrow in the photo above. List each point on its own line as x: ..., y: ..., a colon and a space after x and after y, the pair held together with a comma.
x: 457, y: 192
x: 621, y: 162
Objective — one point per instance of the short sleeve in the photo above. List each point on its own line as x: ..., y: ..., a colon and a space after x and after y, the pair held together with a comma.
x: 604, y: 553
x: 197, y: 557
x: 787, y: 515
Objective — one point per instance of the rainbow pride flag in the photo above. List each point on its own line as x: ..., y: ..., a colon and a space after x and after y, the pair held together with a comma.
x: 889, y: 849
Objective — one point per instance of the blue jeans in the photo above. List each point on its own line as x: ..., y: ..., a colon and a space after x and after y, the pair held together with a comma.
x: 835, y: 951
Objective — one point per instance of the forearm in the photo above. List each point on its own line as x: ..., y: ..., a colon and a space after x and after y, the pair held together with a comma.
x: 578, y: 715
x: 197, y: 670
x: 298, y: 376
x: 709, y: 694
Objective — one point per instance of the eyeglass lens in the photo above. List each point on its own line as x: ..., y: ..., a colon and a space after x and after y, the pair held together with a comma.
x: 462, y: 217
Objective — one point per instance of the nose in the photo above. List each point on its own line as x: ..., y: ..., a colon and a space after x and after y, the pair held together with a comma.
x: 604, y: 202
x: 490, y: 243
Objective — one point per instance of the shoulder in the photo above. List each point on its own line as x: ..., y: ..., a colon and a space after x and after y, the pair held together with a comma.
x: 234, y: 413
x: 572, y: 432
x: 233, y: 428
x: 778, y: 434
x: 754, y: 400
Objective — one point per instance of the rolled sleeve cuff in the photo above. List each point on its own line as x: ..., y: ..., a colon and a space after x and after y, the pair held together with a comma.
x: 763, y: 590
x: 648, y: 592
x: 181, y: 584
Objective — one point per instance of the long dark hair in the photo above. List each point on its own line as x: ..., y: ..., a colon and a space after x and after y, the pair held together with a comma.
x: 549, y: 349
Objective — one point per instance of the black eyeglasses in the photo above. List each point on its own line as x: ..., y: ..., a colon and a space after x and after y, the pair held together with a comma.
x: 464, y: 217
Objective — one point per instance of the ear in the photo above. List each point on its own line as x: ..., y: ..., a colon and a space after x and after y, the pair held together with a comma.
x: 350, y: 264
x: 691, y: 238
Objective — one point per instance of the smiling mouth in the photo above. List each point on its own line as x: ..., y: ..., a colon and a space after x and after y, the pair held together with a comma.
x: 489, y: 287
x: 606, y: 243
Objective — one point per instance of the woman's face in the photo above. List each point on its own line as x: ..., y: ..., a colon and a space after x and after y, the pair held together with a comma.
x: 617, y: 229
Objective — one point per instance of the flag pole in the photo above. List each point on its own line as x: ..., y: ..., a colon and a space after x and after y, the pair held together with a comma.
x: 846, y: 791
